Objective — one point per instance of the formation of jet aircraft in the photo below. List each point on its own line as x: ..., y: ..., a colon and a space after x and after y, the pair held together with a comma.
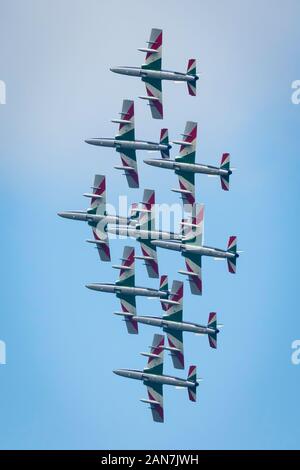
x: 140, y: 225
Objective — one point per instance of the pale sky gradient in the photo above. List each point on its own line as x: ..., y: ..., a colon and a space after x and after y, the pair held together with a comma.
x: 57, y: 389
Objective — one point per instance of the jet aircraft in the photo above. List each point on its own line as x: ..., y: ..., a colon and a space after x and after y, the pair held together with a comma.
x: 154, y: 378
x: 97, y: 217
x: 152, y: 74
x: 126, y: 144
x: 192, y: 248
x: 126, y: 290
x: 185, y: 167
x: 173, y: 325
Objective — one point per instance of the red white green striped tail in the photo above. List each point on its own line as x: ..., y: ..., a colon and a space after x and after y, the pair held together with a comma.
x: 232, y: 248
x: 225, y: 165
x: 192, y: 377
x: 191, y: 70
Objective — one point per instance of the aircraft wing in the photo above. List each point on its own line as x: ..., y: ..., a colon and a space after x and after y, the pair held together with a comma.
x: 129, y: 166
x: 186, y: 186
x: 193, y: 264
x: 127, y: 278
x: 155, y: 366
x: 154, y: 96
x: 155, y: 395
x: 175, y: 340
x: 101, y: 239
x: 153, y: 52
x: 150, y: 257
x: 153, y: 62
x: 98, y: 206
x: 128, y: 306
x: 127, y: 132
x: 147, y: 222
x: 127, y: 268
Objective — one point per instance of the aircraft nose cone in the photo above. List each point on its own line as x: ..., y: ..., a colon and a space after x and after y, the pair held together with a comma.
x: 91, y: 286
x: 119, y: 372
x: 113, y: 69
x: 64, y: 215
x: 89, y: 141
x: 152, y: 162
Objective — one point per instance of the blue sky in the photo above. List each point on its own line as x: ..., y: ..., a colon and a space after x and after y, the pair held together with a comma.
x: 57, y: 389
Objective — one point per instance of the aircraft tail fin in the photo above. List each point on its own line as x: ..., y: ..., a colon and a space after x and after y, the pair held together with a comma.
x: 192, y: 377
x: 164, y: 140
x: 212, y: 325
x: 225, y: 165
x: 191, y: 70
x: 232, y: 248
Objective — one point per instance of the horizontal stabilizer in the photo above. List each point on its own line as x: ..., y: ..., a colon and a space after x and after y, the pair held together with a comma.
x: 192, y: 88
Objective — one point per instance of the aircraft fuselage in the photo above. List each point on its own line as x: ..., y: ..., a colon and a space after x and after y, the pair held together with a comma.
x: 85, y: 216
x: 173, y: 325
x: 199, y: 250
x: 188, y: 167
x: 133, y: 291
x: 158, y: 74
x: 129, y: 231
x: 128, y: 144
x: 152, y: 378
